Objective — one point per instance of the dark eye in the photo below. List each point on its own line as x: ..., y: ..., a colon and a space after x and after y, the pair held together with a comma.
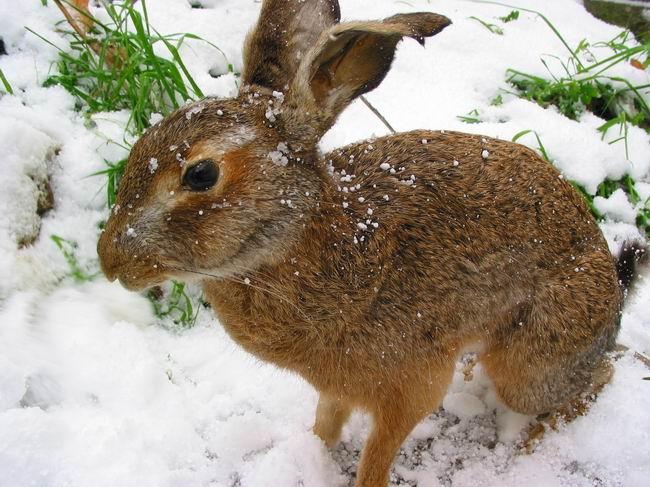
x: 201, y: 176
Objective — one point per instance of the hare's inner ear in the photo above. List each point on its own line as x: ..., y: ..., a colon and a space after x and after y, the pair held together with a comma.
x: 285, y: 31
x: 348, y: 60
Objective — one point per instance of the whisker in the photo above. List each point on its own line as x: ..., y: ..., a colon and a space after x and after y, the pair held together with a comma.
x: 242, y: 281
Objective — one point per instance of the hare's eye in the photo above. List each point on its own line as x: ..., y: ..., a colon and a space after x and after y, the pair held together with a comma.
x: 202, y: 175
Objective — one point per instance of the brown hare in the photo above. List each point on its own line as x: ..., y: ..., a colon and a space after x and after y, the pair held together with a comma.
x: 367, y: 270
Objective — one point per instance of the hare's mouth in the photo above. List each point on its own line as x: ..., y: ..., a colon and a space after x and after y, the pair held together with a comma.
x: 136, y: 280
x: 135, y: 284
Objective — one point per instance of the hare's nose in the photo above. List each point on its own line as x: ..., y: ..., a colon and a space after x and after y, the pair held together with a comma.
x: 107, y: 256
x: 110, y: 275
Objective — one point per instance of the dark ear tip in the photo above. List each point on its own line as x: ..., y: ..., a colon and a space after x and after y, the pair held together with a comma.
x: 436, y: 22
x: 420, y: 24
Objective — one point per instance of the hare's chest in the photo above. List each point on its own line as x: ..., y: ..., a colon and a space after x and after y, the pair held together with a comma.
x: 333, y: 350
x: 269, y: 329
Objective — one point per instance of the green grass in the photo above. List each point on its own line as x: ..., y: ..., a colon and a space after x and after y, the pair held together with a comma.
x: 113, y: 174
x: 176, y: 306
x: 513, y: 15
x: 621, y: 120
x: 592, y: 86
x: 589, y: 85
x: 115, y: 67
x: 473, y: 116
x: 68, y: 249
x: 497, y: 100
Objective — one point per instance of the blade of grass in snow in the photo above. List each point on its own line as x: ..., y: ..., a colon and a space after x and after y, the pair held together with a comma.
x: 67, y: 248
x: 543, y: 17
x: 495, y: 29
x: 5, y: 83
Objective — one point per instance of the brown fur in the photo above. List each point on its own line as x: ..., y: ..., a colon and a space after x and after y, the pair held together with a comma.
x: 469, y: 246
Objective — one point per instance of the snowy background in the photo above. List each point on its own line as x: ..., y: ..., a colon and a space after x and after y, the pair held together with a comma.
x: 94, y: 390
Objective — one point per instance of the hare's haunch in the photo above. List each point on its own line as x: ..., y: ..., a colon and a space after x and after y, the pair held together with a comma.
x: 369, y: 269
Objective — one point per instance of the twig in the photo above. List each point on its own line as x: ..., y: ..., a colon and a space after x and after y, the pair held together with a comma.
x: 377, y: 114
x: 642, y: 358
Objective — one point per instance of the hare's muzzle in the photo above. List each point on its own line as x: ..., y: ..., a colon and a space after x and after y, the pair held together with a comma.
x: 108, y: 260
x: 114, y: 255
x: 123, y: 256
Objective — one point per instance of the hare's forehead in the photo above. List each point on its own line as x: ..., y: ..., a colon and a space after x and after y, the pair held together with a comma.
x: 219, y: 144
x: 181, y: 148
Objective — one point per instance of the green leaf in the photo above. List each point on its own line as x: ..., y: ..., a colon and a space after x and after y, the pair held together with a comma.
x: 513, y: 15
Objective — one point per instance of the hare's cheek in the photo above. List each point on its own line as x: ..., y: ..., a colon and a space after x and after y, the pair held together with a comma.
x: 196, y: 229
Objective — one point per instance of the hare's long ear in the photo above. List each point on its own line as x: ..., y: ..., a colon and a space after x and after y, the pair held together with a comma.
x: 285, y: 31
x: 348, y: 60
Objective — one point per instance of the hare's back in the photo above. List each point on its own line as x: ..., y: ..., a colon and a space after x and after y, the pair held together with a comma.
x: 479, y: 193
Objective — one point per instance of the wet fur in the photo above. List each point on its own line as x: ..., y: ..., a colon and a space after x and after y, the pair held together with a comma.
x: 497, y: 251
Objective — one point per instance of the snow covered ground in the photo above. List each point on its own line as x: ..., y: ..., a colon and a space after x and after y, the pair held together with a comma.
x: 93, y: 391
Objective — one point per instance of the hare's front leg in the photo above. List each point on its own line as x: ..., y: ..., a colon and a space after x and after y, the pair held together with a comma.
x: 394, y: 418
x: 331, y: 415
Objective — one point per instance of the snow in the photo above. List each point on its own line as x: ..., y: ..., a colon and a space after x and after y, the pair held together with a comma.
x: 195, y: 109
x: 153, y: 165
x: 94, y: 390
x: 279, y: 156
x: 617, y: 207
x: 463, y: 404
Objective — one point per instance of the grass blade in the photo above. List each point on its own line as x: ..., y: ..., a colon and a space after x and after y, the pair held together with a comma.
x: 5, y: 83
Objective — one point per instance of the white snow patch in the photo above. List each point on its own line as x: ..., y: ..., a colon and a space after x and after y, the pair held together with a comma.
x: 463, y: 405
x: 617, y: 207
x: 153, y: 165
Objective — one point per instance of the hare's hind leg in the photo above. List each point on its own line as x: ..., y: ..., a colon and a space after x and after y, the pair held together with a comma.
x: 398, y: 410
x: 331, y: 415
x: 577, y: 406
x: 554, y: 350
x: 534, y: 386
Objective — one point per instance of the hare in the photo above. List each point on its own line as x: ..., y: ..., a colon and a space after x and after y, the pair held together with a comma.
x: 367, y: 270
